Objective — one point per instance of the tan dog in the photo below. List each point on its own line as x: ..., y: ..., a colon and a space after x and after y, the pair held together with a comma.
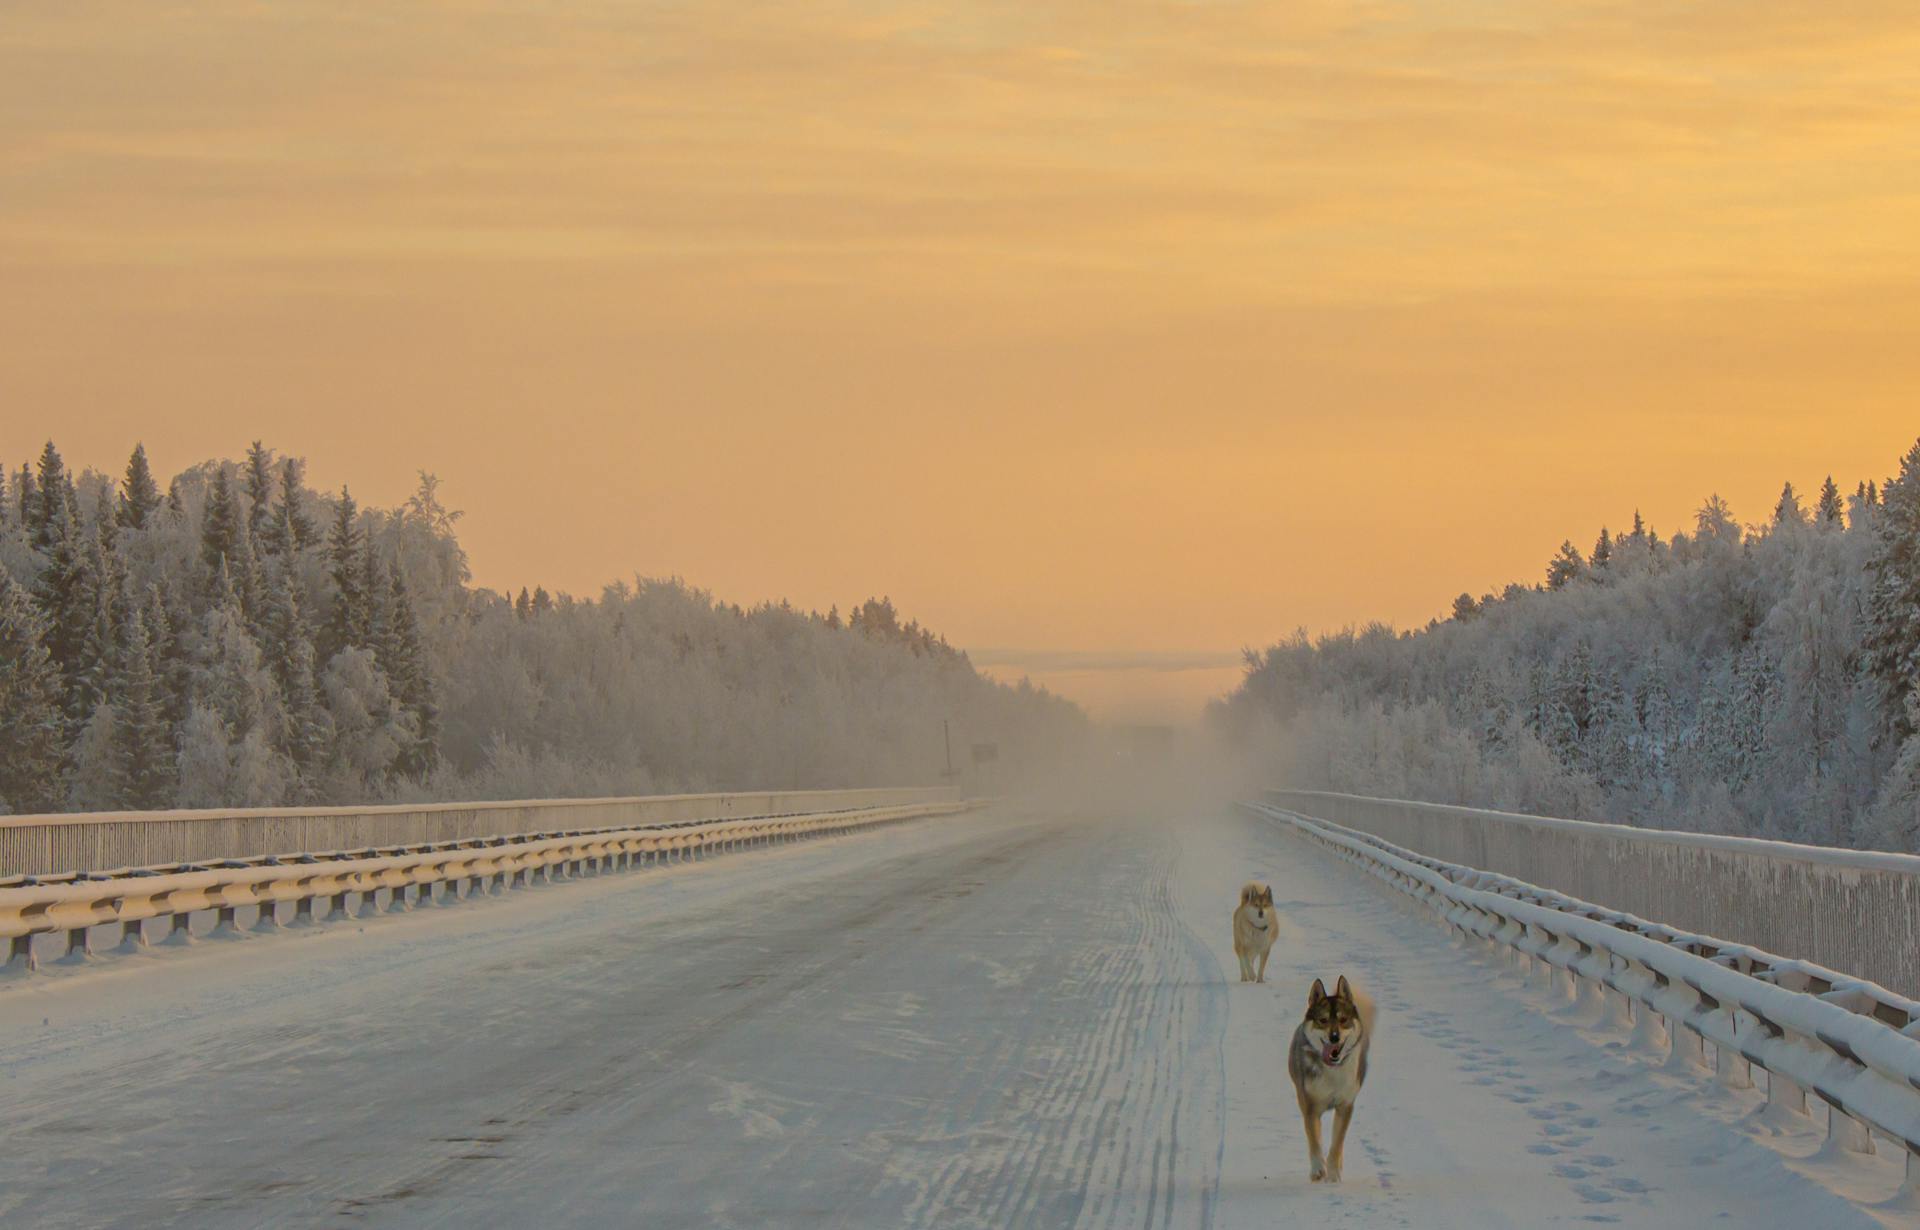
x: 1328, y: 1064
x: 1253, y: 931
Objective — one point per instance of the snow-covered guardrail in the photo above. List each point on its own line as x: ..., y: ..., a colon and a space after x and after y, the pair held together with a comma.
x: 36, y: 845
x: 75, y: 903
x: 1857, y: 910
x: 1852, y: 1043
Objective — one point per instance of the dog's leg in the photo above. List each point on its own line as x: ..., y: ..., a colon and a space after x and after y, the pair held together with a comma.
x: 1262, y: 975
x: 1243, y: 963
x: 1316, y: 1165
x: 1341, y: 1118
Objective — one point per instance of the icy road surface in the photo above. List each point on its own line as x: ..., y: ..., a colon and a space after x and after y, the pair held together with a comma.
x: 1000, y: 1020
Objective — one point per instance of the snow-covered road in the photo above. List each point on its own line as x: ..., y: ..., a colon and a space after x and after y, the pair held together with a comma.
x: 1007, y: 1019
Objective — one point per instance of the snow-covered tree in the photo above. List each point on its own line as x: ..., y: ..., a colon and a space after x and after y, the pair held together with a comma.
x: 139, y: 495
x: 32, y: 727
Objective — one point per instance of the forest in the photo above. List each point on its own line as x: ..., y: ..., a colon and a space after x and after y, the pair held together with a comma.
x: 1760, y: 680
x: 234, y: 639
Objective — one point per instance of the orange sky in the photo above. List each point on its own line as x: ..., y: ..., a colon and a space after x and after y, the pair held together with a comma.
x: 1104, y: 327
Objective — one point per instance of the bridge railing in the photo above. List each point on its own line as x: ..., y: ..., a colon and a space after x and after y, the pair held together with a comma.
x: 1850, y: 1042
x: 417, y: 875
x: 1856, y: 910
x: 36, y: 845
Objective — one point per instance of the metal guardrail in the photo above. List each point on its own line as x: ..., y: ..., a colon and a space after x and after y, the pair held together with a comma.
x: 1856, y: 910
x: 1852, y: 1043
x: 77, y: 902
x: 36, y: 845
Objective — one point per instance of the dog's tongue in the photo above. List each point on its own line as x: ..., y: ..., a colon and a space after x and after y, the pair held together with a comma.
x: 1330, y: 1053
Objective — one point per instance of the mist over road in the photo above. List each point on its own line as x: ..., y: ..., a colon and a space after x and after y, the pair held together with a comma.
x: 1015, y: 1018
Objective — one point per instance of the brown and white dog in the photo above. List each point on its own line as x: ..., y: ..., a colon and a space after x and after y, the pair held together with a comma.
x: 1253, y: 931
x: 1328, y: 1064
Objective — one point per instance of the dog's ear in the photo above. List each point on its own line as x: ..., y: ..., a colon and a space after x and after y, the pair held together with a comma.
x: 1318, y: 993
x: 1246, y: 894
x: 1342, y: 990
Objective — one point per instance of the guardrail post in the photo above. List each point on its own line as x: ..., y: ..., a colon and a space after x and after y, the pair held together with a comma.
x: 1732, y: 1069
x: 79, y: 951
x: 133, y: 937
x: 1785, y: 1099
x: 180, y: 934
x: 1619, y: 1010
x: 1845, y: 1134
x: 224, y: 926
x: 20, y: 958
x: 269, y: 920
x: 1649, y: 1031
x: 302, y: 913
x: 337, y: 907
x: 1688, y: 1053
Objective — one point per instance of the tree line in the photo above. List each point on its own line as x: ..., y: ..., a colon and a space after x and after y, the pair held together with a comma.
x: 238, y: 640
x: 1760, y: 679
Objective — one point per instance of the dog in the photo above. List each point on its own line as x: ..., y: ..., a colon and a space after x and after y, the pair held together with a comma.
x: 1253, y: 931
x: 1328, y: 1064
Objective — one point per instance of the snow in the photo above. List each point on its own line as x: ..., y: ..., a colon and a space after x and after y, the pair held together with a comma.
x: 1012, y: 1018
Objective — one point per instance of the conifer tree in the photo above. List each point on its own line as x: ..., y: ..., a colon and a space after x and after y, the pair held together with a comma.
x: 1788, y: 510
x: 144, y: 742
x: 167, y: 615
x: 51, y: 500
x: 1829, y: 511
x: 65, y: 592
x: 219, y: 526
x: 1602, y: 550
x: 347, y: 619
x: 259, y: 484
x: 1893, y: 605
x: 94, y: 782
x: 31, y: 722
x: 139, y: 495
x: 103, y: 595
x: 401, y: 657
x: 26, y: 498
x: 289, y: 649
x: 235, y: 687
x: 1565, y: 568
x: 289, y: 528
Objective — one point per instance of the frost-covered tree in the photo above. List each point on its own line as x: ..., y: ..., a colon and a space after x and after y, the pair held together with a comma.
x: 179, y: 651
x: 1829, y: 512
x: 31, y: 722
x: 1893, y: 606
x: 259, y: 486
x: 1566, y: 567
x: 139, y: 494
x: 220, y: 526
x: 349, y: 619
x: 144, y: 744
x: 1727, y: 680
x: 1788, y: 510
